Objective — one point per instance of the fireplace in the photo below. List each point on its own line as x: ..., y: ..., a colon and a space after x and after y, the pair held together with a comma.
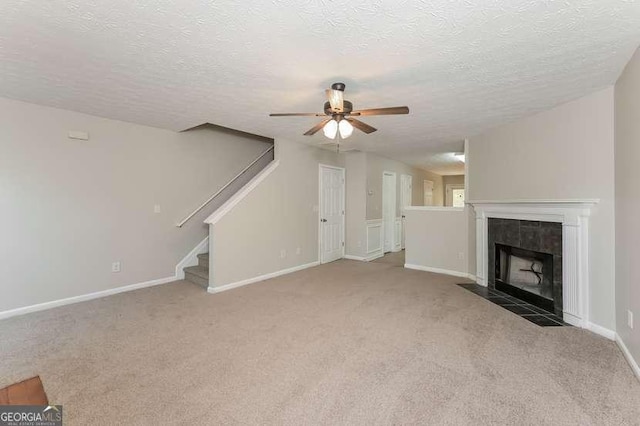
x: 523, y: 252
x: 525, y: 274
x: 567, y: 220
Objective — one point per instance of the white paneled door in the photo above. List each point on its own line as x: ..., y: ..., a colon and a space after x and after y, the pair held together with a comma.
x: 331, y: 213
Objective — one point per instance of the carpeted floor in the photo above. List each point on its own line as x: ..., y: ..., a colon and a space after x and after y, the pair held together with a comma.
x: 344, y: 343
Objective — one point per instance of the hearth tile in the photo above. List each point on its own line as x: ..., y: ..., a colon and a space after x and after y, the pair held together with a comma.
x: 540, y: 310
x: 527, y: 311
x: 515, y: 300
x: 542, y: 320
x: 518, y: 309
x: 500, y: 300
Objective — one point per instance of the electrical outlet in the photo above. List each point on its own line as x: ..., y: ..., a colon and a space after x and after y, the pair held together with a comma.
x: 461, y: 255
x: 283, y: 254
x: 298, y: 250
x: 115, y: 267
x: 630, y: 319
x: 359, y: 243
x: 156, y: 208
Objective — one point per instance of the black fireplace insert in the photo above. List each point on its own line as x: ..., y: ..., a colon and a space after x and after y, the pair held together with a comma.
x: 525, y: 274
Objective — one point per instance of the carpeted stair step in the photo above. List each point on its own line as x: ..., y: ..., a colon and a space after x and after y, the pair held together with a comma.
x: 203, y: 260
x: 197, y: 275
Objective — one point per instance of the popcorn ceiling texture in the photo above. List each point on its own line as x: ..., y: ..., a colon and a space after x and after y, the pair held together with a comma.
x: 461, y: 66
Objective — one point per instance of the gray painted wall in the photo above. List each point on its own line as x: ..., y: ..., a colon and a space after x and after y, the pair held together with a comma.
x: 376, y: 165
x: 279, y: 214
x: 69, y: 208
x: 356, y: 190
x: 627, y: 199
x: 437, y: 239
x: 562, y: 153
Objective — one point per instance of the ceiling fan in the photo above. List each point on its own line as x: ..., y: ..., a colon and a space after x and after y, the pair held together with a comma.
x: 340, y: 115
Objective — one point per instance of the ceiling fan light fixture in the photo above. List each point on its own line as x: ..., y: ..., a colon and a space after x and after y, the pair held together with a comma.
x: 330, y: 129
x: 346, y: 129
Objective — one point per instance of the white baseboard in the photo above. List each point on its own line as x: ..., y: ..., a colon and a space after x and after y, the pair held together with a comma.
x: 438, y: 270
x: 625, y: 351
x: 604, y: 332
x: 351, y: 257
x: 369, y: 258
x: 191, y: 259
x: 261, y: 277
x: 179, y: 275
x: 374, y: 256
x: 83, y: 298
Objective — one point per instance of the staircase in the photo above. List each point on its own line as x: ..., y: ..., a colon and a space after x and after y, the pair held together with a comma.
x: 199, y: 274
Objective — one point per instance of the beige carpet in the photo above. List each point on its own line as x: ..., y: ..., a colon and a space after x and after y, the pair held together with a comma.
x: 344, y: 343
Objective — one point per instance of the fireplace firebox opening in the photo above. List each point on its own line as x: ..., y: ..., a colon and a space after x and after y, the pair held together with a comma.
x: 525, y: 274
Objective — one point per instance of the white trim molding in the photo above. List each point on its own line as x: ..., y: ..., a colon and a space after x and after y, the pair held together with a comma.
x: 179, y: 275
x: 627, y: 354
x: 434, y: 208
x: 440, y: 271
x: 242, y: 193
x: 574, y: 217
x: 374, y: 231
x: 219, y: 289
x: 397, y: 235
x: 83, y: 298
x: 352, y: 257
x: 601, y: 331
x: 361, y: 258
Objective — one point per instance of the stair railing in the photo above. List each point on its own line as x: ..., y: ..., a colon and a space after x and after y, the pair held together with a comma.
x: 236, y: 177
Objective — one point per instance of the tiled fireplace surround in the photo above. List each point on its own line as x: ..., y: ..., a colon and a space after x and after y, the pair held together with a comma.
x: 545, y: 237
x: 573, y: 216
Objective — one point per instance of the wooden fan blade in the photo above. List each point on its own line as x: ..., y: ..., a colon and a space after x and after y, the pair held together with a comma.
x: 336, y: 99
x: 382, y: 111
x: 312, y: 131
x: 361, y: 126
x: 297, y: 114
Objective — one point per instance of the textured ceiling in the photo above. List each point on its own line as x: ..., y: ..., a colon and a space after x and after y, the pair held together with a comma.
x: 461, y: 66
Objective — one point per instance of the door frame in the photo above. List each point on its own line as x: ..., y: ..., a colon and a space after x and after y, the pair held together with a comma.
x: 395, y: 211
x: 344, y: 206
x: 448, y: 193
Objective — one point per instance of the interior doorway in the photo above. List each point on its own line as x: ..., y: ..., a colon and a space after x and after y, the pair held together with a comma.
x: 454, y: 196
x: 428, y: 193
x: 331, y: 213
x: 389, y: 209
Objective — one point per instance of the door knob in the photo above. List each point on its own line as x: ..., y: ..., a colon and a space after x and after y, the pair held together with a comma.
x: 323, y: 220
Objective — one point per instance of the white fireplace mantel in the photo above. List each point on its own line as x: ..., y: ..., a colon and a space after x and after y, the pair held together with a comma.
x: 574, y: 217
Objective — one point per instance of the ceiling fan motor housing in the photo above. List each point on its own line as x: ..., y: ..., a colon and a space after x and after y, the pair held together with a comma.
x: 338, y: 86
x: 347, y: 108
